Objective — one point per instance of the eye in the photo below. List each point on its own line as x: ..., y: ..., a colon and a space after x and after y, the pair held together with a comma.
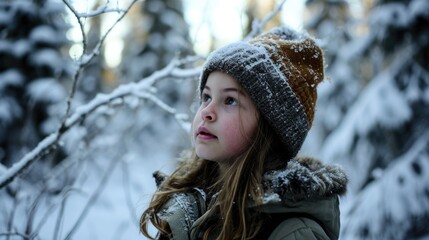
x: 205, y: 97
x: 231, y: 101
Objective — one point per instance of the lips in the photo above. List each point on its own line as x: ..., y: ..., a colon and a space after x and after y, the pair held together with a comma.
x: 205, y: 134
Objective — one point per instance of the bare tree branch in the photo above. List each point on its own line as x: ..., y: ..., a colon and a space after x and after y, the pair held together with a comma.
x: 60, y: 218
x: 93, y: 198
x: 85, y: 59
x: 127, y: 192
x: 12, y: 217
x: 100, y: 11
x: 81, y: 25
x: 40, y: 150
x: 142, y: 89
x: 32, y: 214
x: 257, y: 26
x: 8, y: 234
x: 83, y: 111
x: 47, y: 144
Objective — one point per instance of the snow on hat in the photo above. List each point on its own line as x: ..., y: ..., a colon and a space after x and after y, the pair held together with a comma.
x: 279, y: 70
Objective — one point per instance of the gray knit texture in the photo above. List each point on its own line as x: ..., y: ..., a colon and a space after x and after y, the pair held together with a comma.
x: 250, y: 64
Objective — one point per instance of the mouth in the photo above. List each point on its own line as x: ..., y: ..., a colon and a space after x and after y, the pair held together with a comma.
x: 204, y: 133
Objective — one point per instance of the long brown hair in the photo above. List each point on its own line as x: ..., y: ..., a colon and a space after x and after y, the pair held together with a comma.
x: 241, y: 186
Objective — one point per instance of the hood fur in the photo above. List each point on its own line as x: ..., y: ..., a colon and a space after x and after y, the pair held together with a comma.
x: 304, y: 179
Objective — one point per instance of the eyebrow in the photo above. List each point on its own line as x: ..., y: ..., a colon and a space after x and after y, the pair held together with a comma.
x: 230, y: 90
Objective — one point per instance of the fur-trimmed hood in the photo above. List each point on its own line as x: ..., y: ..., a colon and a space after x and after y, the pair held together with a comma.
x: 304, y: 178
x: 306, y: 188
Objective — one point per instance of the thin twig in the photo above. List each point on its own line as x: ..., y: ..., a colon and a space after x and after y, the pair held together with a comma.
x: 100, y: 11
x: 257, y: 26
x: 93, y: 198
x: 59, y: 222
x: 85, y: 59
x: 83, y: 111
x: 15, y: 234
x: 32, y: 213
x: 127, y: 192
x: 81, y: 25
x: 12, y: 216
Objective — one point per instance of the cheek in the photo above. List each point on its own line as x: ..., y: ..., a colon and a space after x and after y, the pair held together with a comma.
x: 234, y: 139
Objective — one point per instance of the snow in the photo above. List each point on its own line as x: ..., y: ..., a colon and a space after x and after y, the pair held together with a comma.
x: 10, y: 78
x: 21, y: 47
x: 46, y: 90
x: 127, y: 190
x: 171, y: 18
x: 131, y: 140
x: 156, y: 7
x: 29, y: 157
x: 4, y: 19
x: 47, y: 57
x: 394, y: 13
x: 271, y: 198
x: 9, y: 110
x: 381, y: 104
x: 397, y: 15
x: 419, y: 8
x: 174, y: 42
x: 44, y: 34
x: 16, y: 48
x: 383, y: 196
x: 155, y: 41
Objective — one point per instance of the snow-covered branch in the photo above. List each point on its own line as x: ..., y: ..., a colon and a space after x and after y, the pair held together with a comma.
x: 130, y: 89
x: 49, y: 142
x: 40, y: 150
x: 85, y: 59
x: 180, y: 117
x: 3, y: 169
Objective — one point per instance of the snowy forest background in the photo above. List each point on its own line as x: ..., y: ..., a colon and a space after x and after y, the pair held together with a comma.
x: 80, y: 136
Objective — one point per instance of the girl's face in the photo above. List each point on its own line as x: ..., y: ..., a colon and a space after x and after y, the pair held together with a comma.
x: 226, y: 120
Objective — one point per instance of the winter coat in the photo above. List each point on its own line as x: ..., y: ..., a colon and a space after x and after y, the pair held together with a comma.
x: 301, y: 202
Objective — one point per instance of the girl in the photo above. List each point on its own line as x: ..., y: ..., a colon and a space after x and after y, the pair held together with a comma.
x: 243, y: 179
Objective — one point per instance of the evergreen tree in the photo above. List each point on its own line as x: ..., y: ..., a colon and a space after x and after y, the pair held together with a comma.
x: 331, y: 22
x: 31, y: 66
x: 159, y: 36
x: 162, y: 34
x: 382, y: 140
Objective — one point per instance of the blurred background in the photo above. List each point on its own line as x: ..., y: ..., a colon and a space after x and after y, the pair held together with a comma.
x: 372, y: 116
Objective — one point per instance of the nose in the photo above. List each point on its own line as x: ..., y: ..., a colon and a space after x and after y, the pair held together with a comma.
x: 208, y: 113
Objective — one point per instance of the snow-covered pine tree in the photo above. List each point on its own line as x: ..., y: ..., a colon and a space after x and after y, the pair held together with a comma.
x: 331, y: 22
x: 162, y: 33
x: 382, y: 140
x: 159, y: 36
x: 31, y: 66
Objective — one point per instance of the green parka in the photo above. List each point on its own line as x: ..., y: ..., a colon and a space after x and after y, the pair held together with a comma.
x: 301, y: 202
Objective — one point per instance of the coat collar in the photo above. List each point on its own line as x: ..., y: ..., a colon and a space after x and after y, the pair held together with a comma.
x: 303, y: 179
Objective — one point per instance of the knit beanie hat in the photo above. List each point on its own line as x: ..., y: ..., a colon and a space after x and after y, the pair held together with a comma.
x: 279, y: 70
